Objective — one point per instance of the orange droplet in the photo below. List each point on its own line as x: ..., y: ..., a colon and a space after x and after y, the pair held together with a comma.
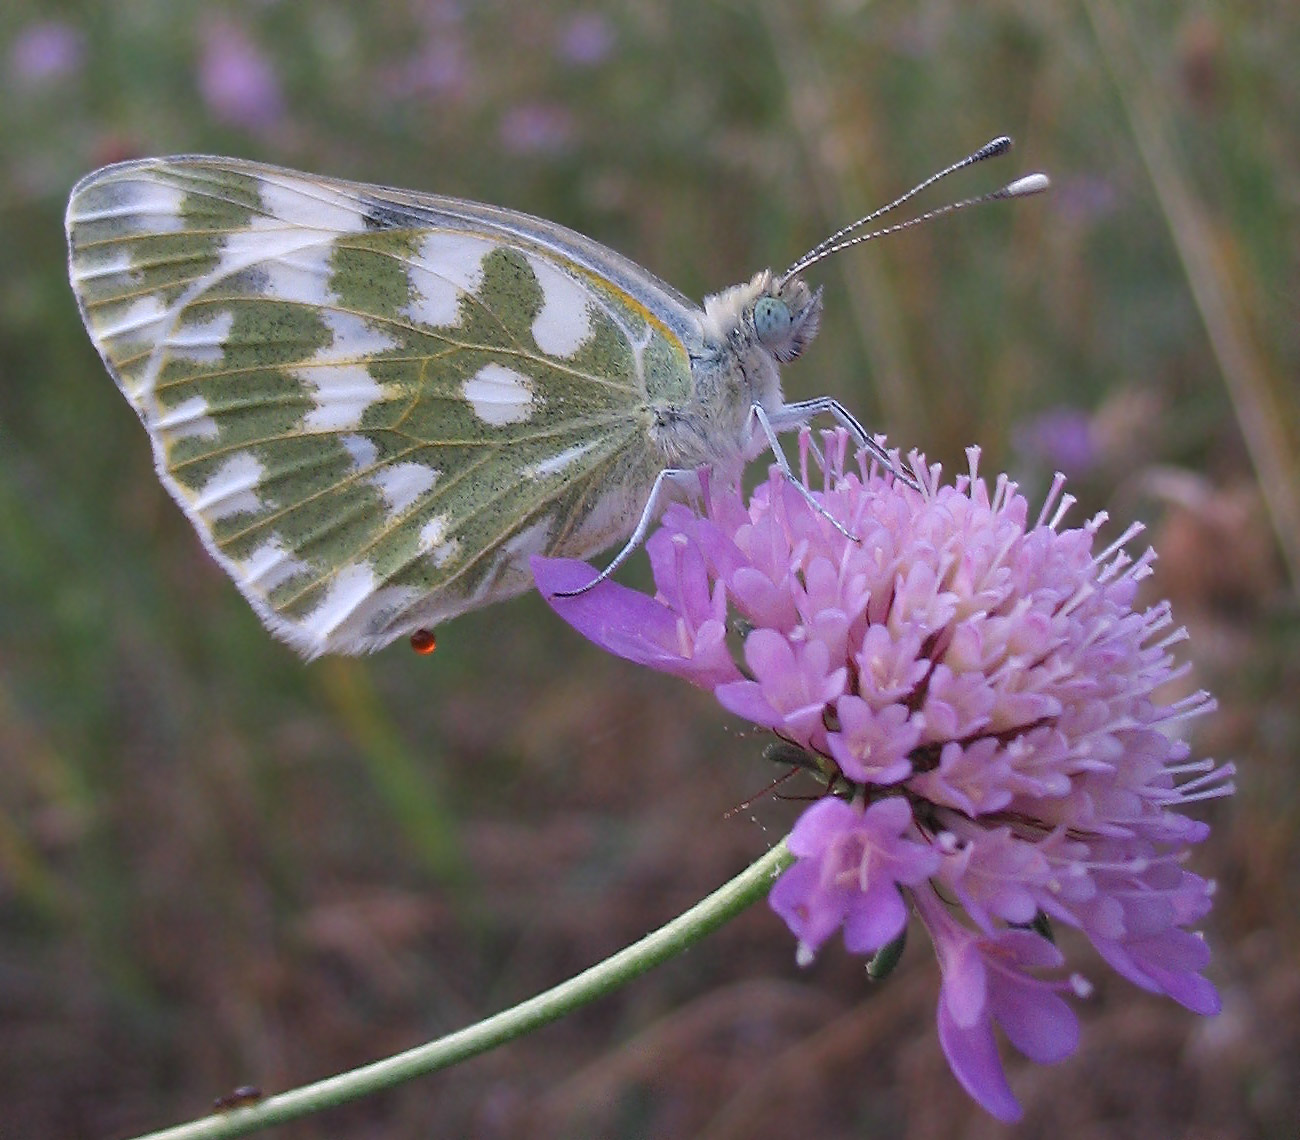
x: 424, y: 642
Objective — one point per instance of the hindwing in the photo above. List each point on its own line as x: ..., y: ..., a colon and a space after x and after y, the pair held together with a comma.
x: 374, y: 405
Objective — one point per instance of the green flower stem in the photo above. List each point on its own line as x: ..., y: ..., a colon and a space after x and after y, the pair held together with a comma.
x: 702, y: 919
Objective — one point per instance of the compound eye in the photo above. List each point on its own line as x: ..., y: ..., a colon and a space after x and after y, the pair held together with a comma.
x: 772, y: 321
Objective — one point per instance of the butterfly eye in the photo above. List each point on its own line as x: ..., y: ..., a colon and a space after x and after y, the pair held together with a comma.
x: 772, y: 320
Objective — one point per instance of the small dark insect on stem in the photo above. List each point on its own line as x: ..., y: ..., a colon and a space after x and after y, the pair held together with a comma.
x: 241, y: 1097
x: 787, y: 752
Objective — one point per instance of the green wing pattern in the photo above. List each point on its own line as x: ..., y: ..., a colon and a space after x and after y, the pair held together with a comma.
x: 372, y: 407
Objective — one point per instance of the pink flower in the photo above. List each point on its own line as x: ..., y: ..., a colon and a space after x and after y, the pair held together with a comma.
x: 851, y: 863
x: 986, y: 980
x: 981, y: 689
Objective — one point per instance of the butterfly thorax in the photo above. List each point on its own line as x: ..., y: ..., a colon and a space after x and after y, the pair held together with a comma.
x: 748, y: 332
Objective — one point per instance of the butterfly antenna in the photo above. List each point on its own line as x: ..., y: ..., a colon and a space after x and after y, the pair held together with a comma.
x: 840, y: 239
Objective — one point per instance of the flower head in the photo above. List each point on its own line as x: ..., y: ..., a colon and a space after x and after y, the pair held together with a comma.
x: 980, y: 689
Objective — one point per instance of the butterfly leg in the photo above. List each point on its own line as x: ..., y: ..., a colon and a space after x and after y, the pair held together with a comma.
x: 799, y: 413
x: 653, y: 505
x: 758, y: 413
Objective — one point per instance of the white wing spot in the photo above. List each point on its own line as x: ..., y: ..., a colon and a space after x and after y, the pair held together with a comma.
x: 499, y: 395
x: 202, y: 341
x: 343, y: 393
x: 444, y: 552
x: 564, y: 322
x: 376, y: 615
x: 403, y: 484
x: 300, y: 274
x: 295, y: 244
x: 91, y: 265
x: 362, y: 450
x: 557, y: 463
x: 158, y: 204
x: 354, y: 610
x: 432, y: 531
x: 352, y: 585
x: 296, y: 262
x: 351, y: 337
x: 230, y: 489
x: 133, y: 322
x: 529, y: 541
x: 307, y: 202
x: 431, y: 541
x: 270, y: 565
x: 188, y: 419
x: 447, y: 266
x: 143, y: 205
x: 344, y: 388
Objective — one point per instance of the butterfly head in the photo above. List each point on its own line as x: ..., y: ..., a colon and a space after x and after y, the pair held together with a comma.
x: 779, y: 315
x: 786, y: 316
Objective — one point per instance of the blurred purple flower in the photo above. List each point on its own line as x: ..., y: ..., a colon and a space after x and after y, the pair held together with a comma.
x: 1087, y: 198
x: 537, y: 128
x: 586, y: 39
x: 1060, y: 438
x: 440, y: 68
x: 236, y: 80
x: 981, y: 689
x: 46, y: 52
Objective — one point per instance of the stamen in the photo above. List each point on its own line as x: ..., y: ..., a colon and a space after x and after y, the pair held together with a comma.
x: 1053, y: 493
x: 1131, y: 533
x: 1068, y: 501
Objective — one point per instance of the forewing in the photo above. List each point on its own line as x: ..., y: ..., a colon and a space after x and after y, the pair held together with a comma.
x: 373, y: 405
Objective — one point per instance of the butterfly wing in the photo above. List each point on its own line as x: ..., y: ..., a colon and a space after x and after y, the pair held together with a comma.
x: 373, y: 404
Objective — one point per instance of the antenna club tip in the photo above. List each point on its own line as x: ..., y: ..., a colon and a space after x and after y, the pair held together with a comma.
x: 1034, y: 183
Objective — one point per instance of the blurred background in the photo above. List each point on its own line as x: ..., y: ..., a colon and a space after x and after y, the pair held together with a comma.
x: 219, y: 866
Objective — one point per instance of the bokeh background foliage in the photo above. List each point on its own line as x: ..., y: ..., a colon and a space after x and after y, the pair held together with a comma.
x: 219, y: 866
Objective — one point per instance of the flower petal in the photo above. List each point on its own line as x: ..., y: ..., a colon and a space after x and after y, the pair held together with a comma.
x: 627, y: 623
x: 1036, y: 1021
x: 973, y: 1057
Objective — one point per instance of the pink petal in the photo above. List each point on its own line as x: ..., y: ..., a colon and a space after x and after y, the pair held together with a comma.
x: 973, y: 1057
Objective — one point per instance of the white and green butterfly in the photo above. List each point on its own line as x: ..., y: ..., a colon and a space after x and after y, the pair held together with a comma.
x: 375, y: 405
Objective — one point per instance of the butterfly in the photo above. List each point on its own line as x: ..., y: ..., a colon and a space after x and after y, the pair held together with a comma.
x: 375, y: 405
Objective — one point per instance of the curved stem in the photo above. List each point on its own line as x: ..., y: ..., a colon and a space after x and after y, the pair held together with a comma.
x: 706, y: 916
